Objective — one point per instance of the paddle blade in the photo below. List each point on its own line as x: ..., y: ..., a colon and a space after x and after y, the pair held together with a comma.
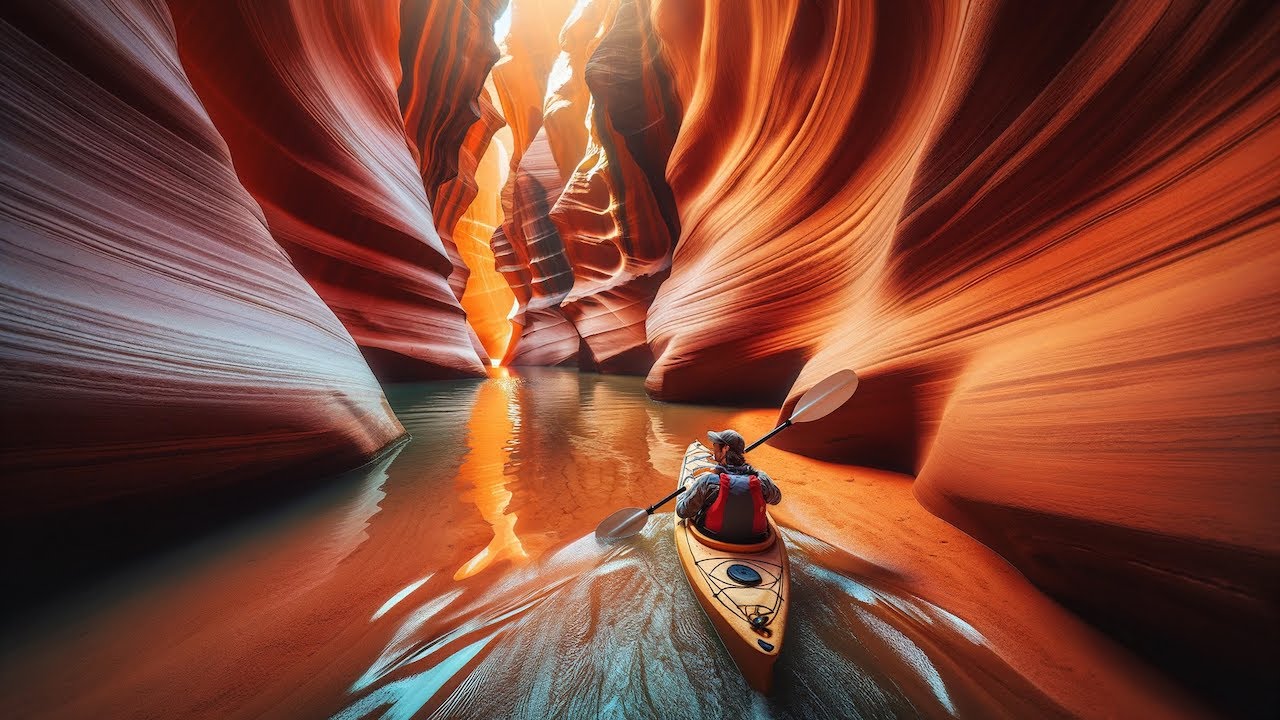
x: 826, y: 396
x: 624, y: 523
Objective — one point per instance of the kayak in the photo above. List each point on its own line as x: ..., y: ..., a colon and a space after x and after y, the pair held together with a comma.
x: 744, y: 589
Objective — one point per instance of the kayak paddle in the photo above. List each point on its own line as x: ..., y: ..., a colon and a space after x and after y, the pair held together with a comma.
x: 819, y: 402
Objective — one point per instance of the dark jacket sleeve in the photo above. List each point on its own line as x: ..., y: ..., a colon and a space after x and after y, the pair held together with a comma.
x: 695, y: 498
x: 772, y: 494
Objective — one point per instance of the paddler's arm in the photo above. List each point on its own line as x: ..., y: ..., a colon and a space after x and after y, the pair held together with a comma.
x: 772, y: 495
x: 692, y: 500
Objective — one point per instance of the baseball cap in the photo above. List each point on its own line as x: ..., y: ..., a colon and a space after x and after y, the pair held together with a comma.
x: 731, y: 438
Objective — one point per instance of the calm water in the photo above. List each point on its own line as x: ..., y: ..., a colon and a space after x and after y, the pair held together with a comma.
x: 458, y: 577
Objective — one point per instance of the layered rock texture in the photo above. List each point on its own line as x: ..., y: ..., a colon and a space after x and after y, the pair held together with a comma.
x: 546, y: 277
x: 617, y: 215
x: 1046, y: 238
x: 446, y: 51
x: 528, y: 248
x: 1043, y: 234
x: 155, y: 339
x: 306, y: 95
x: 589, y: 221
x: 487, y: 298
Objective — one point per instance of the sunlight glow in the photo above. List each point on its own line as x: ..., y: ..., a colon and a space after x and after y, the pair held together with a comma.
x: 502, y: 26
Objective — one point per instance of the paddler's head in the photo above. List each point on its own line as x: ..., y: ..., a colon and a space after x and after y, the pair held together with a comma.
x: 728, y: 447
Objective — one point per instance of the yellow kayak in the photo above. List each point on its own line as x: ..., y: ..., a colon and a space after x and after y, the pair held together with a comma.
x: 744, y: 589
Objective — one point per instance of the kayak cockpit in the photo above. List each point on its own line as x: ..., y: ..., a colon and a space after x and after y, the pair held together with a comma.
x: 770, y: 537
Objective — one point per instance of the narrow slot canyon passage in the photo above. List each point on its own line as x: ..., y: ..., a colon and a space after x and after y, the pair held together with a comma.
x: 347, y: 348
x: 487, y: 299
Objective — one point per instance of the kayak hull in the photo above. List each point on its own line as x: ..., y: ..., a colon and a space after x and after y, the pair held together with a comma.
x: 750, y: 617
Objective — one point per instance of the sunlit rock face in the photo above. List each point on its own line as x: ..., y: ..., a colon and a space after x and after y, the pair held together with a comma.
x: 546, y: 336
x: 529, y: 250
x: 453, y: 198
x: 446, y: 52
x: 589, y: 220
x: 1046, y: 238
x: 305, y: 94
x: 521, y: 76
x: 566, y: 104
x: 616, y: 214
x: 155, y: 339
x: 788, y: 173
x: 486, y: 298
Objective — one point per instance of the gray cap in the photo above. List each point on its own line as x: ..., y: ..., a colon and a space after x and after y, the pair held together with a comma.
x: 730, y: 438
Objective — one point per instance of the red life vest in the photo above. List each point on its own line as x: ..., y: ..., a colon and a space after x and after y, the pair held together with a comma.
x: 738, y: 510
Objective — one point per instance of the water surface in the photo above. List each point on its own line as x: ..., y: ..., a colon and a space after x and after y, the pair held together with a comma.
x: 458, y: 577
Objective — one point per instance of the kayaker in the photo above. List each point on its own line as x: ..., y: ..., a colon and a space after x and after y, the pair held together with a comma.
x: 728, y: 503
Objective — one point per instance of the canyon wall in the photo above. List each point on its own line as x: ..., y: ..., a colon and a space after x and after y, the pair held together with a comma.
x: 528, y: 249
x: 616, y: 214
x: 789, y: 172
x: 306, y: 96
x: 589, y: 221
x: 446, y: 53
x: 155, y: 339
x: 1046, y: 239
x: 483, y: 170
x: 1044, y: 236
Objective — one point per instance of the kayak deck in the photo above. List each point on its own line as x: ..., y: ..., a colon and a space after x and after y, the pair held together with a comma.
x: 744, y: 590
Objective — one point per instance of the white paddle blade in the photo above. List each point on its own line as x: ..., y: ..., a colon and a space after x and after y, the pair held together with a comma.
x: 624, y: 523
x: 826, y: 396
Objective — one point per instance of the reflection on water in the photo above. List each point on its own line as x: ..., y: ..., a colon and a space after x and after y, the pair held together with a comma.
x: 493, y: 434
x: 458, y: 577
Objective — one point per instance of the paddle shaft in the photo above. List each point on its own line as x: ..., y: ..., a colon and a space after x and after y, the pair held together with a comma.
x: 772, y: 432
x: 662, y: 502
x: 650, y: 510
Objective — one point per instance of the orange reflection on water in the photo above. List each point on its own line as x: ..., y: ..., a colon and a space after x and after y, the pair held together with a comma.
x: 482, y: 479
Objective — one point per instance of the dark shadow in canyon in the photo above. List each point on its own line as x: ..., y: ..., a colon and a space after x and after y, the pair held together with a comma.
x: 887, y: 424
x: 1081, y: 562
x: 740, y: 382
x: 51, y: 556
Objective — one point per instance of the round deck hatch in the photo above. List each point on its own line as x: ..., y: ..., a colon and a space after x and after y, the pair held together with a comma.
x: 743, y: 575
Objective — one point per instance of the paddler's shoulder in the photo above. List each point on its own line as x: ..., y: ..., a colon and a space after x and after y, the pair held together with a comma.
x: 712, y: 473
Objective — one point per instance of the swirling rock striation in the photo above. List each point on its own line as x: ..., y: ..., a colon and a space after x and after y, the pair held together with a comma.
x: 156, y: 340
x: 305, y: 94
x: 446, y: 53
x: 567, y: 100
x: 787, y: 175
x: 522, y: 75
x: 487, y: 298
x: 546, y: 337
x: 453, y: 199
x: 1046, y: 240
x: 529, y: 250
x: 616, y: 214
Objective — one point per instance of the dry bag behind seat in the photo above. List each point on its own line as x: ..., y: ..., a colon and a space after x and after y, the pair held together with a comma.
x: 738, y: 513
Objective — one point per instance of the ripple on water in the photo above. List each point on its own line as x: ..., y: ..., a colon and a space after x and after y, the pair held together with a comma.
x: 614, y: 631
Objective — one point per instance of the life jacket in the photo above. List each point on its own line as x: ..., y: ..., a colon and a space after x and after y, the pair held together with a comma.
x: 738, y: 512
